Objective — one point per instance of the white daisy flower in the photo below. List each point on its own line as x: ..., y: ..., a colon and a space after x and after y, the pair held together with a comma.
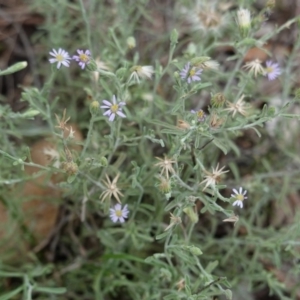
x: 119, y: 214
x: 205, y: 15
x: 239, y: 107
x: 211, y: 64
x: 255, y: 67
x: 138, y: 72
x: 61, y: 57
x: 53, y: 156
x: 244, y: 18
x: 101, y: 65
x: 113, y: 108
x: 239, y: 196
x: 214, y: 177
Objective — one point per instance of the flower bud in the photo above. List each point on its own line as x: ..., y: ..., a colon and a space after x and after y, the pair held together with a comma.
x: 271, y: 4
x: 164, y: 186
x: 244, y: 21
x: 198, y: 61
x: 183, y: 124
x: 103, y: 161
x: 191, y: 49
x: 131, y: 42
x: 191, y: 214
x: 174, y: 37
x: 215, y: 121
x: 92, y: 66
x: 70, y: 168
x: 94, y: 107
x: 176, y: 75
x: 195, y: 250
x: 218, y: 100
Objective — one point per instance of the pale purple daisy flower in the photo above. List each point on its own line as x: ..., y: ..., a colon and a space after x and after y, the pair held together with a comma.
x: 200, y: 114
x: 118, y: 213
x: 114, y: 108
x: 239, y: 196
x: 190, y: 74
x: 272, y: 70
x: 61, y: 57
x: 83, y: 57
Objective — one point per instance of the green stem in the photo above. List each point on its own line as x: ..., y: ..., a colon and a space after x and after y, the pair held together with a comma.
x: 97, y: 183
x: 45, y: 94
x: 46, y: 88
x: 233, y: 73
x: 210, y: 284
x: 182, y: 183
x: 28, y: 288
x: 49, y: 118
x: 166, y: 249
x: 137, y: 204
x: 30, y: 164
x: 111, y: 30
x: 88, y: 28
x: 251, y: 125
x: 287, y: 82
x: 157, y: 80
x: 190, y: 232
x: 88, y: 139
x: 116, y: 145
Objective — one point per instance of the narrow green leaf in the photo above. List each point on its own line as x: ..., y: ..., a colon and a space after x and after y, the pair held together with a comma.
x: 228, y: 294
x: 51, y: 290
x: 10, y: 295
x: 14, y: 68
x: 220, y: 145
x: 211, y: 266
x: 162, y: 235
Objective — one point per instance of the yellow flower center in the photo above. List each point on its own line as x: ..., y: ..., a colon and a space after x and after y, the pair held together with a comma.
x: 269, y: 70
x: 164, y: 186
x: 192, y: 72
x: 59, y: 57
x: 240, y: 197
x: 118, y: 213
x: 83, y: 57
x: 138, y: 69
x: 200, y: 114
x: 114, y: 108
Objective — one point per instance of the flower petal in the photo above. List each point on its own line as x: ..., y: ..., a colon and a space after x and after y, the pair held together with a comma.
x: 111, y: 117
x: 118, y: 206
x: 106, y: 102
x: 107, y: 113
x: 114, y: 219
x: 65, y: 63
x: 119, y: 113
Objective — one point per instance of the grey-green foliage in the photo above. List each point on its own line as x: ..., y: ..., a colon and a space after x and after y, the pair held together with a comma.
x: 200, y: 257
